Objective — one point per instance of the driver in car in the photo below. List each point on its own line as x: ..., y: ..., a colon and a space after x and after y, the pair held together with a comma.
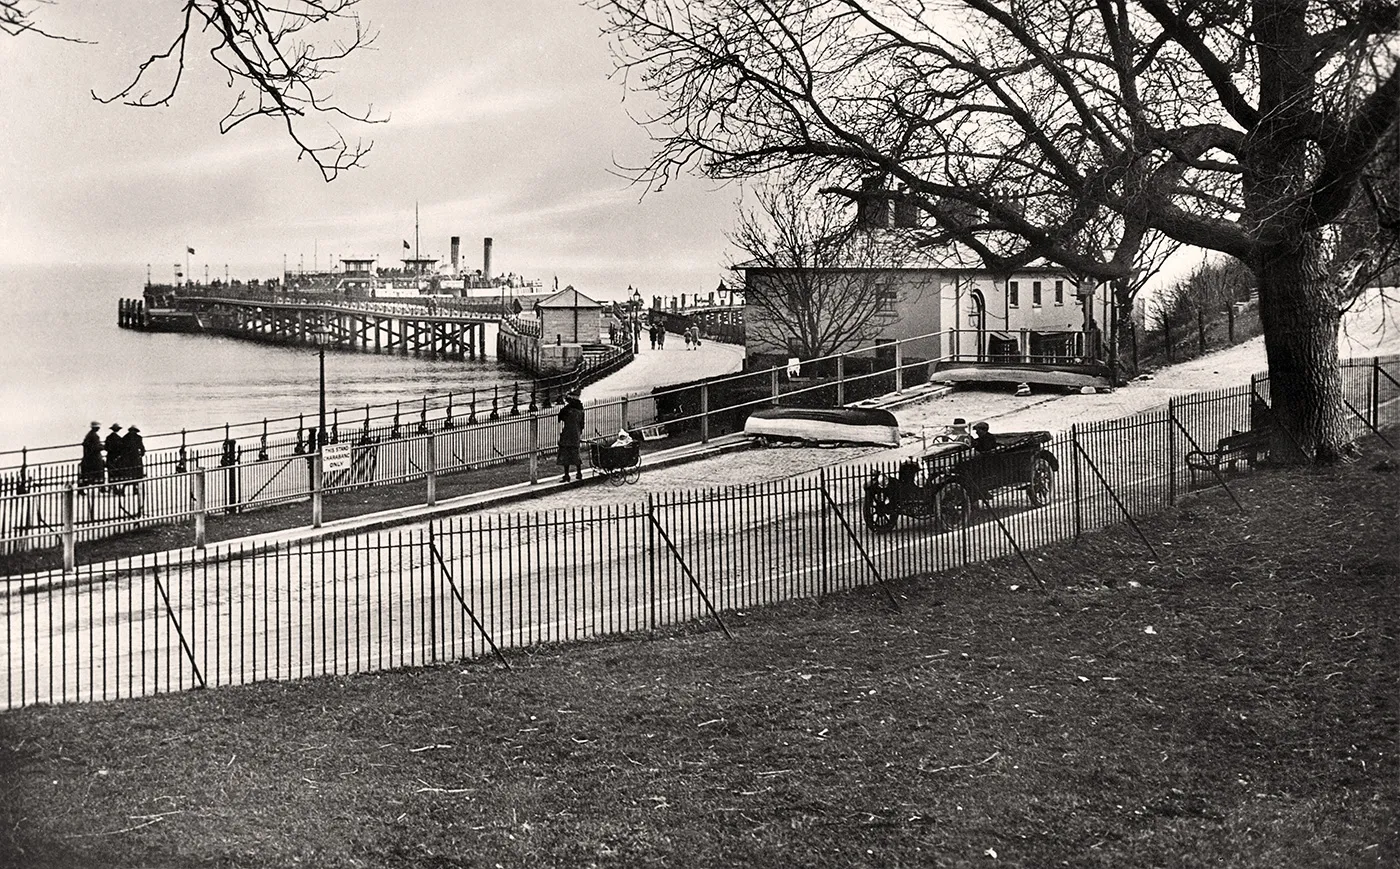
x: 982, y: 437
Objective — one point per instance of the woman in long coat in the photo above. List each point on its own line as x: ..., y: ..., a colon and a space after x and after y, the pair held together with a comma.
x: 571, y: 436
x: 91, y: 467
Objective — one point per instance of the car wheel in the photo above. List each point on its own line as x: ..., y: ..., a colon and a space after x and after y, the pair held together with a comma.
x: 1042, y: 483
x: 878, y: 511
x: 952, y: 505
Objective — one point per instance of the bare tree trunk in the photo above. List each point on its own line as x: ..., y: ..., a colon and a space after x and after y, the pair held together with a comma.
x: 1200, y: 330
x: 1125, y: 367
x: 1230, y: 322
x: 1301, y: 320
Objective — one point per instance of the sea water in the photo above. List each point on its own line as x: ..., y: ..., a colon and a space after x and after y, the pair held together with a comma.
x: 64, y: 362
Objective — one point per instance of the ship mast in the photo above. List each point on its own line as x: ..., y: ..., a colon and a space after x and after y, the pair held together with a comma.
x: 415, y: 231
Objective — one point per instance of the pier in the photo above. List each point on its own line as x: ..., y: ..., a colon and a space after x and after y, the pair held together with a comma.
x: 436, y: 331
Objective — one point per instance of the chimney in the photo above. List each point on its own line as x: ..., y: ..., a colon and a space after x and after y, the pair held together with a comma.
x: 872, y: 204
x: 456, y: 250
x: 486, y: 258
x: 906, y: 211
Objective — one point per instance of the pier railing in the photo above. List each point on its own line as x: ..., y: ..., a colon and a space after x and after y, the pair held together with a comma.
x: 474, y: 586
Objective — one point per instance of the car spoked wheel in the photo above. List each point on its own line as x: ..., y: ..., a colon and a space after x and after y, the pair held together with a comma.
x: 1042, y: 483
x: 952, y: 505
x: 878, y: 511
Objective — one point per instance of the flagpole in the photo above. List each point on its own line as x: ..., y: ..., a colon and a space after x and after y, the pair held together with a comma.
x: 187, y: 263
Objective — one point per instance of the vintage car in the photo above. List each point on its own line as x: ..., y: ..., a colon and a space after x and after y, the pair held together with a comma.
x: 946, y: 482
x: 846, y: 425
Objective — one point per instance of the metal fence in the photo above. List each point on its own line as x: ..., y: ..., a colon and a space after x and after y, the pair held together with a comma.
x: 42, y: 506
x: 477, y: 585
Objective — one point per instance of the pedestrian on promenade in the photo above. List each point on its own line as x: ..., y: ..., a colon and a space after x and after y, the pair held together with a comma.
x: 90, y: 469
x: 571, y: 435
x: 686, y: 335
x: 695, y: 336
x: 113, y: 446
x: 660, y: 336
x: 134, y: 451
x: 651, y: 333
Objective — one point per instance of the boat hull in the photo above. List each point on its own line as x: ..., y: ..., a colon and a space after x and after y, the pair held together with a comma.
x: 825, y: 425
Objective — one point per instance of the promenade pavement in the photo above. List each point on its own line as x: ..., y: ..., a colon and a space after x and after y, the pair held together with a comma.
x: 672, y: 365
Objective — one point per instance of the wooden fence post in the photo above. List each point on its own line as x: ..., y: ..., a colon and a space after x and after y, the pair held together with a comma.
x: 704, y: 412
x: 201, y: 507
x: 535, y: 446
x: 318, y: 482
x: 70, y: 535
x: 899, y: 366
x: 432, y: 470
x: 841, y: 380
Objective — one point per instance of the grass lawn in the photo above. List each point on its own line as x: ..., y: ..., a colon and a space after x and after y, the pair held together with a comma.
x: 1230, y: 703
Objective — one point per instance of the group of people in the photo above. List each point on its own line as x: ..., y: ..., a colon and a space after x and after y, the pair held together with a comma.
x: 119, y: 458
x: 692, y: 337
x: 980, y: 437
x: 657, y: 333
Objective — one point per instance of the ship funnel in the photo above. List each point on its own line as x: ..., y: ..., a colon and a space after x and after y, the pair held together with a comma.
x: 486, y: 258
x: 456, y: 250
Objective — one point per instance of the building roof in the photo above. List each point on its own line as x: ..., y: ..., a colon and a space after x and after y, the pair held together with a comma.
x: 568, y: 298
x: 899, y: 250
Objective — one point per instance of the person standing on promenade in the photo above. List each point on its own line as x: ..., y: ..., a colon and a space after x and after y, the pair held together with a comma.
x: 571, y: 435
x: 134, y: 450
x: 113, y: 446
x: 90, y: 469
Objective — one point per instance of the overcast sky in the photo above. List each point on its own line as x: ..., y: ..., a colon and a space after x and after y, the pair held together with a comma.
x: 503, y: 123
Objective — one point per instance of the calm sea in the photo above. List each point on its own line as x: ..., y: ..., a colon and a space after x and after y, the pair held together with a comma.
x: 64, y: 362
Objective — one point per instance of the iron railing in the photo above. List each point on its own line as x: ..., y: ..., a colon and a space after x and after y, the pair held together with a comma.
x: 477, y: 585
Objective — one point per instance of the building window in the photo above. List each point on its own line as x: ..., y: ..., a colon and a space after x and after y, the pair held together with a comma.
x: 887, y: 297
x: 1013, y: 294
x: 1059, y: 292
x: 1035, y: 293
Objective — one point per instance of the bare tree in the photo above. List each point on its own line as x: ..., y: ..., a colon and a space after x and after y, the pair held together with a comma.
x: 263, y: 50
x: 1062, y: 129
x: 816, y: 283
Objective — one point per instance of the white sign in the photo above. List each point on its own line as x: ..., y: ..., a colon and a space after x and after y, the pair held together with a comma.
x: 335, y: 457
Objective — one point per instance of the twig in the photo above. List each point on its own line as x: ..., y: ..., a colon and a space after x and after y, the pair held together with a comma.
x: 964, y: 765
x: 151, y: 819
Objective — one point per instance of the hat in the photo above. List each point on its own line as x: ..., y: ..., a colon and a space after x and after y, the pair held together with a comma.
x: 133, y: 429
x: 980, y: 425
x: 957, y: 420
x: 95, y: 424
x: 115, y: 427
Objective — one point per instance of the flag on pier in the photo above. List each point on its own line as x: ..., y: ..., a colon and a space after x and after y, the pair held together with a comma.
x: 189, y: 250
x: 406, y: 245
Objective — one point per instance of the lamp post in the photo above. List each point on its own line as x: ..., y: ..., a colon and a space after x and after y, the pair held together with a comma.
x: 322, y: 336
x: 636, y: 299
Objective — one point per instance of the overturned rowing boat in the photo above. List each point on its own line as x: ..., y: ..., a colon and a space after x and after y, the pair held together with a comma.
x: 857, y: 425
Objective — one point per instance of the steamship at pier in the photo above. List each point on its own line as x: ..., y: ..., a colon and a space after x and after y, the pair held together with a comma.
x: 180, y: 306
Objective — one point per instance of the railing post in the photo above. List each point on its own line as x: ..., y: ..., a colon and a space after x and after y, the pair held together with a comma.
x: 898, y: 366
x: 773, y: 380
x: 841, y: 380
x: 432, y: 470
x: 1078, y: 492
x: 201, y: 507
x: 624, y: 412
x: 1171, y: 449
x: 318, y: 481
x: 826, y: 537
x: 70, y: 535
x: 535, y: 447
x: 1375, y: 393
x: 704, y: 412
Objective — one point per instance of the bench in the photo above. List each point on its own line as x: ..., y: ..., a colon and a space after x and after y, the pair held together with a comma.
x: 1250, y: 447
x: 655, y: 432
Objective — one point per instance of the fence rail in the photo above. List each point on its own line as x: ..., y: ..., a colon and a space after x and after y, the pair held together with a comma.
x: 476, y: 585
x: 467, y: 432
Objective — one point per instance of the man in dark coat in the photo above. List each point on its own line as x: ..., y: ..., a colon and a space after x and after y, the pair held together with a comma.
x: 115, y: 454
x: 982, y: 437
x: 91, y: 467
x: 571, y: 435
x: 134, y: 451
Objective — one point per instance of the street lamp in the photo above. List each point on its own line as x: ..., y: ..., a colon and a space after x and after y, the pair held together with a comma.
x: 636, y: 319
x: 322, y: 337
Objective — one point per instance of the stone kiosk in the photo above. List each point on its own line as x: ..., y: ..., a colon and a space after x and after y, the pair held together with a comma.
x: 551, y: 338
